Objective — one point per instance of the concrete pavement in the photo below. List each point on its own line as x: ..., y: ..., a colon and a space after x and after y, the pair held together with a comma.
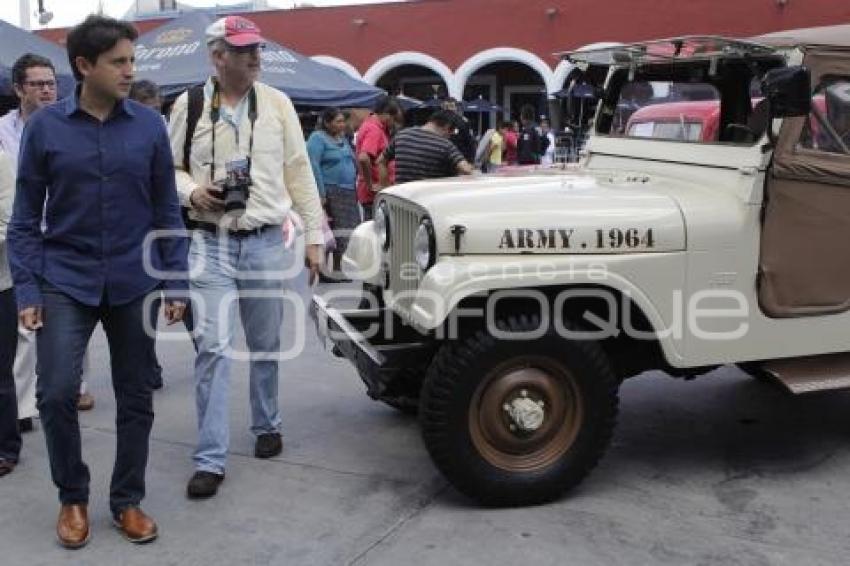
x: 720, y: 471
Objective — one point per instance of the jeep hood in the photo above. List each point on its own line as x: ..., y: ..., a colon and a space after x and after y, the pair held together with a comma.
x: 549, y: 212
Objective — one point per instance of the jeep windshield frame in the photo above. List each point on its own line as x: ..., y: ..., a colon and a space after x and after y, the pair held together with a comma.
x: 731, y: 68
x: 691, y: 47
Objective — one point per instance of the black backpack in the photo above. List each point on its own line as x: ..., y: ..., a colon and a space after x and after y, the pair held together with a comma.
x: 194, y: 110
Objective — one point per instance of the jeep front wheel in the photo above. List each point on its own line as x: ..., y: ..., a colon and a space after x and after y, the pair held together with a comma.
x: 517, y: 422
x: 402, y: 393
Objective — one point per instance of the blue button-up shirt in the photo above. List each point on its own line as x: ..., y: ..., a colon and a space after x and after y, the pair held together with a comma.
x: 107, y: 185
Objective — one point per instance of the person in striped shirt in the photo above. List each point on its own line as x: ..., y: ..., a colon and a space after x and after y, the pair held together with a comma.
x: 424, y: 152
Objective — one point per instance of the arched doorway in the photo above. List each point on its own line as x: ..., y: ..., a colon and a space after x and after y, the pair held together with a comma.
x: 512, y: 86
x: 414, y: 81
x: 413, y: 74
x: 511, y: 78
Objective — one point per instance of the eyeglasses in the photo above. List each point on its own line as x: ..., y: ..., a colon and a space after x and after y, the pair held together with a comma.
x: 245, y: 48
x: 41, y: 84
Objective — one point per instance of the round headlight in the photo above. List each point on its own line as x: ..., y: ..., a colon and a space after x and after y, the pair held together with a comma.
x: 424, y: 245
x: 382, y: 225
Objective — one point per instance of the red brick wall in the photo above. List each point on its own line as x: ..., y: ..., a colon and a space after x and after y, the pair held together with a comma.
x: 454, y: 30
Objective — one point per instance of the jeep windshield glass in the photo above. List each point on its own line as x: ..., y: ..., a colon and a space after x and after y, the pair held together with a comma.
x: 668, y: 50
x: 668, y: 110
x: 716, y: 99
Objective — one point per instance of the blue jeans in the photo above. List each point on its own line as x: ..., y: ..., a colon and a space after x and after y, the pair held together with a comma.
x: 61, y: 344
x: 222, y: 285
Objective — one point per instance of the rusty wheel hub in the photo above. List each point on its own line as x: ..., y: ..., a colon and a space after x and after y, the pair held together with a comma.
x: 525, y: 414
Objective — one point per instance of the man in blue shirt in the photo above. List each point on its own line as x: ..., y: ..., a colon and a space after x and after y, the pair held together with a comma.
x: 104, y: 165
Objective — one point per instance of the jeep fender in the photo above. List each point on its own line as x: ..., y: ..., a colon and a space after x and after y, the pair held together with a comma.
x: 649, y: 280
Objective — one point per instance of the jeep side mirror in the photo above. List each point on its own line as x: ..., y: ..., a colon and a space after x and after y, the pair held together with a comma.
x: 788, y: 91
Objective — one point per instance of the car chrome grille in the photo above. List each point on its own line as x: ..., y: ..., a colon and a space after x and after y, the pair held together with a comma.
x: 404, y: 276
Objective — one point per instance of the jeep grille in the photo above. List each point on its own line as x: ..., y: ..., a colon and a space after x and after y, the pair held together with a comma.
x: 404, y: 276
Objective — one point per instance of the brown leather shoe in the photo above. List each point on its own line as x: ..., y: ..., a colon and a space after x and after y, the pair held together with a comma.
x: 85, y: 402
x: 6, y: 467
x: 72, y: 528
x: 136, y: 526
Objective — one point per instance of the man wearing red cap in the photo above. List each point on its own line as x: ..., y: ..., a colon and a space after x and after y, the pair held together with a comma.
x: 247, y: 167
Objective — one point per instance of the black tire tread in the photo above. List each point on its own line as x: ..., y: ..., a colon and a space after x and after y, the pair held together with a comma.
x: 405, y: 391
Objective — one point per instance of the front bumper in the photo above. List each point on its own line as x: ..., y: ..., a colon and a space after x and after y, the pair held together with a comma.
x: 375, y: 341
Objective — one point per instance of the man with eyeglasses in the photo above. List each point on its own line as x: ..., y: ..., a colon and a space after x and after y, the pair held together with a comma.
x: 34, y: 83
x: 247, y: 167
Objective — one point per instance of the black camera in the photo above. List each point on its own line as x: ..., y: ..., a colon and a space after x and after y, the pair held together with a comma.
x: 236, y: 188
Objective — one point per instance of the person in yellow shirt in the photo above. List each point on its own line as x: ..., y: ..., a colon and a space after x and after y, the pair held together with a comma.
x: 497, y: 148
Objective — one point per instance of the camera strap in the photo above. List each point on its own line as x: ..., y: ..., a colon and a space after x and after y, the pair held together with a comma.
x: 215, y: 115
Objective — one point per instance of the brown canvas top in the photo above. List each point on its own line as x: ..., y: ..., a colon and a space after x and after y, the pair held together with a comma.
x: 827, y: 36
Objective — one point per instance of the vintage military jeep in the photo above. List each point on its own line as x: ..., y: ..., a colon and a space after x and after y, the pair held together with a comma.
x: 510, y: 307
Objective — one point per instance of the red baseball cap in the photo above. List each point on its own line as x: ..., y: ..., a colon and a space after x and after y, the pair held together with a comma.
x: 235, y: 30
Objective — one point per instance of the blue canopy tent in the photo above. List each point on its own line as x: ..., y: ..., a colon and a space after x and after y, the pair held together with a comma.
x: 408, y: 102
x: 175, y: 57
x: 480, y: 106
x: 14, y: 42
x: 433, y: 102
x: 578, y: 90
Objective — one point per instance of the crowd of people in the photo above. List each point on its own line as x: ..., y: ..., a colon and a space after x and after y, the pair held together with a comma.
x: 85, y: 182
x: 517, y: 143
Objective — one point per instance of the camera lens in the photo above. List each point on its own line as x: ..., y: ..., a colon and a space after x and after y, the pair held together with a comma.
x: 234, y: 200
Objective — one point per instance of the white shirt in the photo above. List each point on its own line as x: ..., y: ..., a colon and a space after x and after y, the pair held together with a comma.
x: 11, y: 129
x: 548, y: 157
x: 280, y: 168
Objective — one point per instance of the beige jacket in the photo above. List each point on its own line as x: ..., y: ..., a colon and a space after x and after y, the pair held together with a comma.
x: 280, y: 168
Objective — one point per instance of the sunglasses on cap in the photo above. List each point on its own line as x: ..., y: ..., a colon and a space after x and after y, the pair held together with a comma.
x: 245, y: 48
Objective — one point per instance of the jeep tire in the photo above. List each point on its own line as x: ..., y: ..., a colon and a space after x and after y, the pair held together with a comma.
x: 518, y: 422
x: 403, y: 392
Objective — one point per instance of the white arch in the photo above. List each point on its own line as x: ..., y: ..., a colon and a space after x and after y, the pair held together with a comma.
x: 500, y: 55
x: 562, y: 71
x: 390, y: 62
x: 338, y: 63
